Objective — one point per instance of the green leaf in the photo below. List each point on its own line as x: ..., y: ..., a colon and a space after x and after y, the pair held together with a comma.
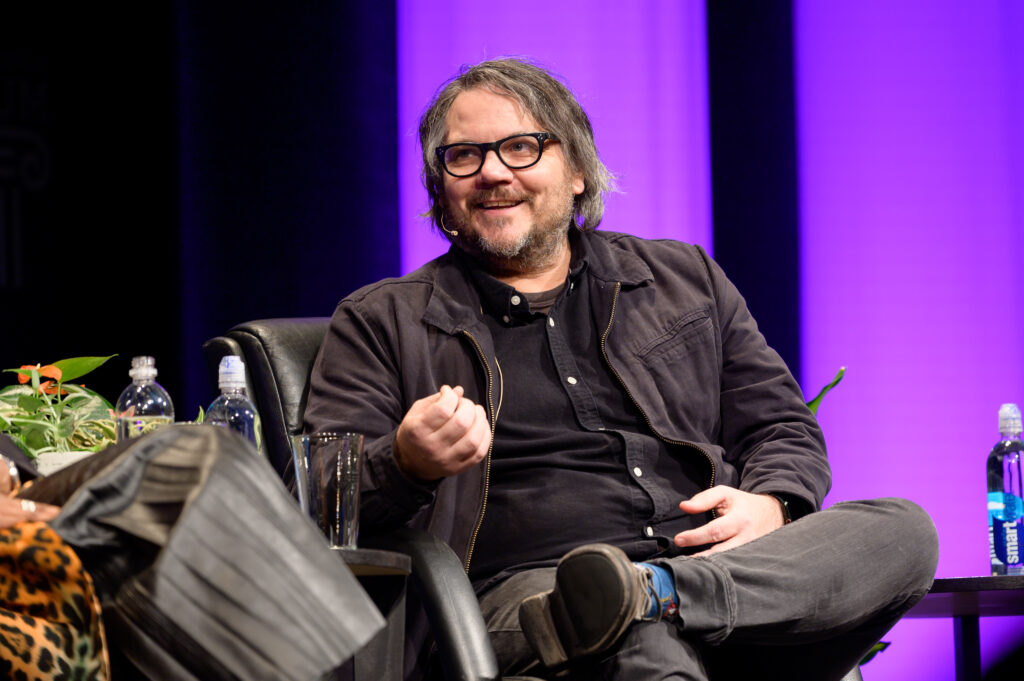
x: 875, y: 649
x: 813, y: 404
x: 87, y: 405
x: 76, y: 391
x: 73, y: 368
x: 36, y: 438
x: 64, y: 429
x: 11, y: 392
x: 30, y: 403
x: 94, y: 434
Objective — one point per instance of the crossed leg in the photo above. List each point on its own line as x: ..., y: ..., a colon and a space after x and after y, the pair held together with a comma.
x: 803, y: 602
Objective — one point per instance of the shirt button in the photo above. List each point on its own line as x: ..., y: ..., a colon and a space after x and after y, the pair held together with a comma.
x: 516, y: 300
x: 506, y: 319
x: 551, y: 322
x: 649, y: 531
x: 571, y: 380
x: 637, y: 472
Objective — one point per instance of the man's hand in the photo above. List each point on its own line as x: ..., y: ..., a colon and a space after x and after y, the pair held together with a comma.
x: 742, y: 517
x: 442, y: 435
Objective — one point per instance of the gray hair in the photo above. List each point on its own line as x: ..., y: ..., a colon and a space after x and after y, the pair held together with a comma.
x: 550, y: 103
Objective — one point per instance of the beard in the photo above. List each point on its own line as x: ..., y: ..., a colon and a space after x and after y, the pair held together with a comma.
x: 534, y: 250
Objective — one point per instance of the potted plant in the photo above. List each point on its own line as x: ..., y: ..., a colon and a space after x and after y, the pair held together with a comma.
x: 52, y: 419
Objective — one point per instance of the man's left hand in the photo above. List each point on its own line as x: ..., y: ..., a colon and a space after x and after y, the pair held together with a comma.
x: 742, y: 517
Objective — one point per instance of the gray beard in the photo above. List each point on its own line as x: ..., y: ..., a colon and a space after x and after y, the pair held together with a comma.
x: 534, y: 251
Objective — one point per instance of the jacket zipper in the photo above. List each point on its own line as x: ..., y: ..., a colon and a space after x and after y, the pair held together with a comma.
x: 487, y: 464
x: 604, y: 336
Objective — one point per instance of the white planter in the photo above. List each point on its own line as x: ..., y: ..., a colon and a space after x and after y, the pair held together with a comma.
x: 51, y: 462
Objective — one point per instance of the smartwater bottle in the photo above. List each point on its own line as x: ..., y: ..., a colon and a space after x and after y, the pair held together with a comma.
x: 1005, y: 505
x: 144, y: 405
x: 233, y: 408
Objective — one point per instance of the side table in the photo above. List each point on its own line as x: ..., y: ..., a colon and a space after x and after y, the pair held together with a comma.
x: 383, y: 574
x: 966, y: 599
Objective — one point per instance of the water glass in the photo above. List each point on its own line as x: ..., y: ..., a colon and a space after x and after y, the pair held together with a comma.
x: 327, y: 467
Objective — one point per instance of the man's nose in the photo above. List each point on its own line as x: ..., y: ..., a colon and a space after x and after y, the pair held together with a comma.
x: 493, y: 170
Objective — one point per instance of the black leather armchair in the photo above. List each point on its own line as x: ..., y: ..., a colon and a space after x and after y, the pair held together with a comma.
x: 279, y: 355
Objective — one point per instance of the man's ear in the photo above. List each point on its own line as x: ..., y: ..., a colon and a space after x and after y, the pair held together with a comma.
x: 578, y: 185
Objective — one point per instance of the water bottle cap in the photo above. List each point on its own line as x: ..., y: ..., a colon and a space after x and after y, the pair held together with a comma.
x: 1009, y: 419
x: 231, y: 373
x: 143, y: 368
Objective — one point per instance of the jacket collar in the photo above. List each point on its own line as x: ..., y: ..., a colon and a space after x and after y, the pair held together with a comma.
x: 610, y: 258
x: 454, y: 303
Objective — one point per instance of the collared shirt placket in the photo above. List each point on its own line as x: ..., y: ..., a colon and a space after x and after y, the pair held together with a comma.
x: 585, y: 406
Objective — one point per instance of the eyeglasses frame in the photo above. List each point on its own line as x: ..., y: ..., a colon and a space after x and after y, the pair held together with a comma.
x: 484, y: 147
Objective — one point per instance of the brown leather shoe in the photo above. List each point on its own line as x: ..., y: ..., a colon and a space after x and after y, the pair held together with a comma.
x: 598, y: 593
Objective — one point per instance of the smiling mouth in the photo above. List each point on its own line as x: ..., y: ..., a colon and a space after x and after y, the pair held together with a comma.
x: 497, y: 205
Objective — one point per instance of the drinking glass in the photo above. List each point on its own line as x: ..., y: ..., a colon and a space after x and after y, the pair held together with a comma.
x: 327, y: 467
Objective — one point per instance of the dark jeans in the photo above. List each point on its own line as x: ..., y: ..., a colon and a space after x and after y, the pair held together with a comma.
x: 804, y: 602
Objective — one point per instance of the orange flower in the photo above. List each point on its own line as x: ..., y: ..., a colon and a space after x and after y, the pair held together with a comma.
x: 48, y: 371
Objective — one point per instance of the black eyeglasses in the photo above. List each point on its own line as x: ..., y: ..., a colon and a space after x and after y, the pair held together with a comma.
x: 516, y: 152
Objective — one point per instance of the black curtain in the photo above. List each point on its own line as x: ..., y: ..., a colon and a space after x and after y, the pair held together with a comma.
x: 88, y: 224
x: 754, y: 163
x: 170, y: 169
x: 288, y: 139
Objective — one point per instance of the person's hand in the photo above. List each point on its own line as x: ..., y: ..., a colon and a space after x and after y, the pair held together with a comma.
x: 442, y: 435
x: 14, y: 510
x: 742, y: 517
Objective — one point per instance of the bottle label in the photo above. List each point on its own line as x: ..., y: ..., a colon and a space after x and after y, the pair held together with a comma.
x: 1004, y: 519
x: 1005, y: 506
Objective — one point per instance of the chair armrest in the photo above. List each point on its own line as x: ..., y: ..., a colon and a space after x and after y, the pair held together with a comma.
x: 451, y: 605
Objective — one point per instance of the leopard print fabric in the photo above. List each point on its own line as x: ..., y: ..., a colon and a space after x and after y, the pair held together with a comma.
x: 50, y: 624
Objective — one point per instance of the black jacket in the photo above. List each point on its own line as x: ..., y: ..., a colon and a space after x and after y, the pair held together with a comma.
x: 678, y: 336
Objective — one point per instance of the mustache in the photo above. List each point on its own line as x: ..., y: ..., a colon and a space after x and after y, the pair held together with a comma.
x: 484, y: 195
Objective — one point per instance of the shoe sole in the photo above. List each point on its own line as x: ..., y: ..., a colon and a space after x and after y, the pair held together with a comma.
x: 588, y: 610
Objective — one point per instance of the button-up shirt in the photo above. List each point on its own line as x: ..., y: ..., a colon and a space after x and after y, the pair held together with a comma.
x: 573, y: 460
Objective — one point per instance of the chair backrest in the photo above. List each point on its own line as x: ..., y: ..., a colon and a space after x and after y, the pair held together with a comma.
x: 278, y: 356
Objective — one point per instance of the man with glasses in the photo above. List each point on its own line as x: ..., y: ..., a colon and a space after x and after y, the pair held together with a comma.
x: 593, y: 422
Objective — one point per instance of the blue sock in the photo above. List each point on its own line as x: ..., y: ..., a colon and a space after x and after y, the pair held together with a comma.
x: 666, y: 601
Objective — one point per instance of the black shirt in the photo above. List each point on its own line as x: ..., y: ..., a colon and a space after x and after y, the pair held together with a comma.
x: 573, y: 461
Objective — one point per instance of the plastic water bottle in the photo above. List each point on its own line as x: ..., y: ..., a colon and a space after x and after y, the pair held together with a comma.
x: 144, y: 405
x: 233, y: 408
x: 1005, y: 504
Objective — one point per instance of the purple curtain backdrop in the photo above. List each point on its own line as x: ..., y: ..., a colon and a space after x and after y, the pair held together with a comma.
x: 911, y: 163
x: 639, y: 69
x: 911, y: 159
